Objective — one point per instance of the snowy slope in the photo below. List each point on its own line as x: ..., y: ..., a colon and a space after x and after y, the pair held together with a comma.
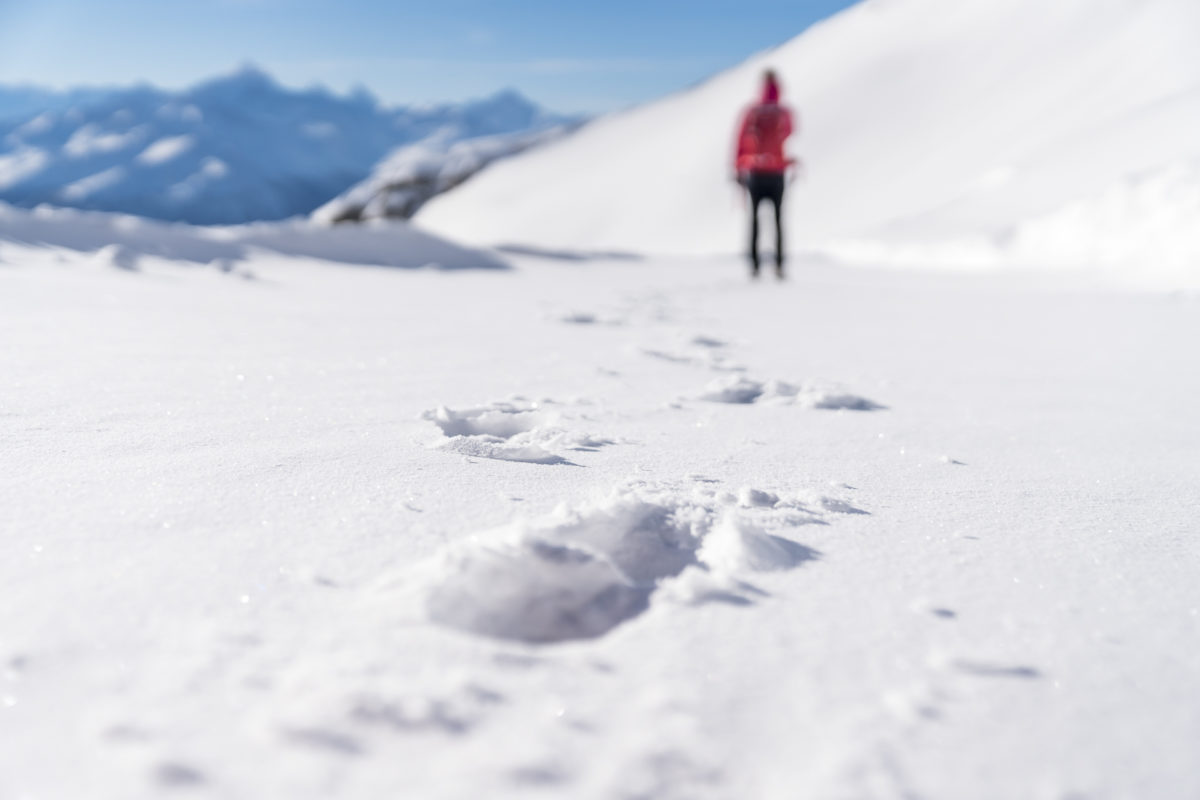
x: 921, y: 122
x: 413, y: 174
x: 235, y: 149
x: 608, y: 530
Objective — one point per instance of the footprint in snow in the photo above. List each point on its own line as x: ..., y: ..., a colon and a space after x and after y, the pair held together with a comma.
x: 583, y: 570
x: 589, y: 318
x: 983, y: 669
x: 512, y: 430
x: 175, y: 774
x: 736, y: 389
x: 699, y: 351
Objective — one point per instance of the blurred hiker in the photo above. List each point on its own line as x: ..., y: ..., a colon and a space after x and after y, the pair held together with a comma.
x: 761, y: 165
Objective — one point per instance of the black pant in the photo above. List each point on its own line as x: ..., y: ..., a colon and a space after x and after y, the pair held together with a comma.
x: 765, y: 186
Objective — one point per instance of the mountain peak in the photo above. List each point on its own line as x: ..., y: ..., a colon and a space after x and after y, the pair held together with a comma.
x: 247, y: 77
x: 505, y: 98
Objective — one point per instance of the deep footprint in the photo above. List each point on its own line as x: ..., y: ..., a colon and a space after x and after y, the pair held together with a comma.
x: 580, y: 572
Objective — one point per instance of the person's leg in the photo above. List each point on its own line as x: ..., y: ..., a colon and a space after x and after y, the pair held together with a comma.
x: 777, y: 202
x: 754, y: 188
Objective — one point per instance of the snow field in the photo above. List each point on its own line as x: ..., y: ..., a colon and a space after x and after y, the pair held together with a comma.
x: 302, y: 512
x: 250, y: 560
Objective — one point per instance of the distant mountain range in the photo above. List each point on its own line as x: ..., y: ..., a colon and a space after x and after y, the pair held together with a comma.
x: 234, y: 149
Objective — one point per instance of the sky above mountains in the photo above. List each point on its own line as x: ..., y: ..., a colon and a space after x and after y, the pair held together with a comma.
x: 587, y: 57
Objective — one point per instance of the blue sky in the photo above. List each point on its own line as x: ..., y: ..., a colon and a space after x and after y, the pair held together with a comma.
x: 569, y: 55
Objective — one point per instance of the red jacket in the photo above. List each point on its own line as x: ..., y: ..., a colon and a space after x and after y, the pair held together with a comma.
x: 764, y: 129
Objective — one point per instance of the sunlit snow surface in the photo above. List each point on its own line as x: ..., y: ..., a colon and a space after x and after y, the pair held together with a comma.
x: 586, y: 527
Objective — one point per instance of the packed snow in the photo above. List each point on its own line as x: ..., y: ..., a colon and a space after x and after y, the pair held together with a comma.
x: 306, y: 511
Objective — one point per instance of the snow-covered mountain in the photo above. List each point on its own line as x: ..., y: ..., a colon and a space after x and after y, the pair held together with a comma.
x: 234, y: 149
x: 964, y: 131
x: 412, y: 175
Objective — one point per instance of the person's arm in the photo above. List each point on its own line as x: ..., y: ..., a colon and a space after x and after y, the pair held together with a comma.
x: 740, y: 147
x: 795, y: 165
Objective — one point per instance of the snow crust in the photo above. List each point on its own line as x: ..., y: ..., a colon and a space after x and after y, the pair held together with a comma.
x: 978, y: 135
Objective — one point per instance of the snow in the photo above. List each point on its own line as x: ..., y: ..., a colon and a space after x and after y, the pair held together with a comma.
x: 17, y: 166
x: 298, y: 511
x: 283, y: 152
x: 166, y: 149
x: 80, y: 189
x: 284, y: 526
x: 1146, y: 220
x: 89, y: 140
x: 929, y: 134
x: 230, y: 247
x: 411, y: 175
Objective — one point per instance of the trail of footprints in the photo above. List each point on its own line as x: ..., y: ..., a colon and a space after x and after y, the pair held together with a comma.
x: 585, y: 569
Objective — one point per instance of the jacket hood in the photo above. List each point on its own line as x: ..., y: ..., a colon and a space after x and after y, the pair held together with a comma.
x: 770, y: 92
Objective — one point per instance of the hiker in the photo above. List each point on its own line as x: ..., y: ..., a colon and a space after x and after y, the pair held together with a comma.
x: 761, y: 165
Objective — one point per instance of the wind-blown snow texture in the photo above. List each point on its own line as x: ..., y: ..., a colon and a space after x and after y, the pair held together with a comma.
x: 957, y: 134
x: 236, y: 149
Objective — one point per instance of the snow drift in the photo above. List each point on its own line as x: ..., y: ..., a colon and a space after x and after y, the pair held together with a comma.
x: 973, y: 128
x: 123, y: 241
